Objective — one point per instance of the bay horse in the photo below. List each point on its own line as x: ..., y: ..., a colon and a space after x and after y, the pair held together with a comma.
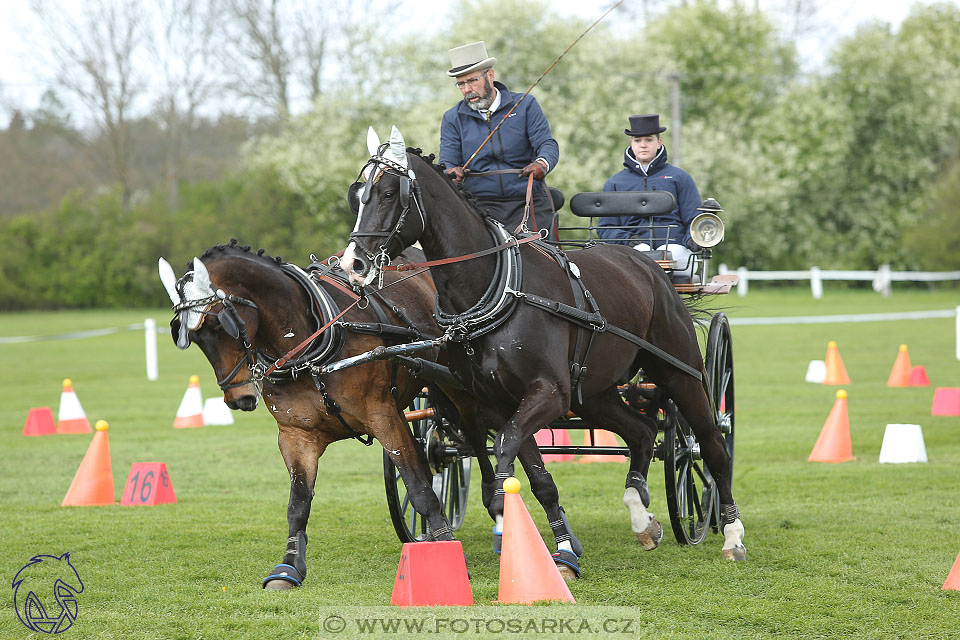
x: 534, y: 332
x: 245, y: 310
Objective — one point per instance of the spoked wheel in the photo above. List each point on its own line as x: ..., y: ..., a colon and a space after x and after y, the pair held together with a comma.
x: 450, y: 464
x: 719, y: 366
x: 691, y: 492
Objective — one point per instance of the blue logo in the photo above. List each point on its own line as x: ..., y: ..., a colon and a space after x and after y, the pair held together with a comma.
x: 33, y: 586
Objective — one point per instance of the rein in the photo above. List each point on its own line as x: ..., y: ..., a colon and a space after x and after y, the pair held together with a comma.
x: 513, y: 242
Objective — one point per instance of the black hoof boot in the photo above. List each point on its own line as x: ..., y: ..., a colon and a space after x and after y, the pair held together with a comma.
x: 568, y: 563
x: 293, y: 570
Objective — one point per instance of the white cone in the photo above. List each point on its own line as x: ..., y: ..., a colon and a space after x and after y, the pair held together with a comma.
x: 903, y: 443
x: 816, y: 371
x: 215, y: 411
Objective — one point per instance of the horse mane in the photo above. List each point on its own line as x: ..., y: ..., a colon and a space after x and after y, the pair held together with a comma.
x: 234, y: 248
x: 466, y: 196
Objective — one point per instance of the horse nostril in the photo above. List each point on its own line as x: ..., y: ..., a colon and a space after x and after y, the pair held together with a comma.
x: 359, y: 267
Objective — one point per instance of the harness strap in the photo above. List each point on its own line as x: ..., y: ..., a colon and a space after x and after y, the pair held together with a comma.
x: 407, y: 266
x: 595, y: 322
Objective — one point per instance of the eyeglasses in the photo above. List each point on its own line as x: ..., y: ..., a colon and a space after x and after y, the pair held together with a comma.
x: 472, y: 82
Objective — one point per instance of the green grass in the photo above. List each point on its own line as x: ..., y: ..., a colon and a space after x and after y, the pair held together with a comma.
x: 856, y: 550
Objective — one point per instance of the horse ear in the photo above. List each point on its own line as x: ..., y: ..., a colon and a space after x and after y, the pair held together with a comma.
x: 398, y: 148
x: 373, y: 141
x: 201, y: 277
x: 169, y: 280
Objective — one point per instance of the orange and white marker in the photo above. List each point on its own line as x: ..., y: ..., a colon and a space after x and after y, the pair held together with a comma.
x: 71, y: 418
x: 190, y: 413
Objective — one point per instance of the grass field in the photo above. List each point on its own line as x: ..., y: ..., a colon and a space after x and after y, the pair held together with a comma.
x: 855, y: 550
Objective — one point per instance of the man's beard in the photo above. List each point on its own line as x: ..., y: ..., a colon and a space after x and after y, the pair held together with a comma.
x: 486, y: 98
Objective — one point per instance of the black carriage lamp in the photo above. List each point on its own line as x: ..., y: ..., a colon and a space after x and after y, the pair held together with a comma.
x: 707, y: 228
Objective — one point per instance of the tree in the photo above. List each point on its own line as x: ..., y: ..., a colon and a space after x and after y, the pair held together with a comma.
x: 94, y: 57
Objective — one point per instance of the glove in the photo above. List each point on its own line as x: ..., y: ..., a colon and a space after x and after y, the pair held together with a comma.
x: 693, y: 246
x: 536, y: 169
x: 456, y: 173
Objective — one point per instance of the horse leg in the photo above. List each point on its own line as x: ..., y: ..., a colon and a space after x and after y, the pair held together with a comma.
x: 639, y: 432
x: 692, y: 400
x: 569, y: 549
x: 301, y: 451
x: 542, y: 403
x: 412, y: 465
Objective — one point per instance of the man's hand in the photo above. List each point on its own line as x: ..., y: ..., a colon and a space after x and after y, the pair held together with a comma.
x: 536, y: 169
x: 456, y: 173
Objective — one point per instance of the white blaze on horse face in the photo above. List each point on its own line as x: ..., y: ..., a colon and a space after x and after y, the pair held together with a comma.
x: 351, y: 255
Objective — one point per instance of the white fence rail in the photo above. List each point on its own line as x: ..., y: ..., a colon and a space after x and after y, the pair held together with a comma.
x: 882, y: 278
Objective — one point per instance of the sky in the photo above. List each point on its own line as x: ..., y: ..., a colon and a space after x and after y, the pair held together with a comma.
x: 21, y: 85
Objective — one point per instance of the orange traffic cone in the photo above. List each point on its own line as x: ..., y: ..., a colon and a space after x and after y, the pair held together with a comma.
x: 900, y: 374
x: 601, y: 438
x: 432, y: 574
x: 554, y: 437
x: 93, y: 483
x: 836, y: 372
x: 953, y: 578
x: 918, y: 377
x: 71, y: 418
x: 39, y: 422
x: 834, y: 445
x: 190, y: 413
x: 527, y: 571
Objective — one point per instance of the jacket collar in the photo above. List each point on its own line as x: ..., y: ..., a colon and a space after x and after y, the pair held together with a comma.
x: 506, y: 100
x: 631, y: 163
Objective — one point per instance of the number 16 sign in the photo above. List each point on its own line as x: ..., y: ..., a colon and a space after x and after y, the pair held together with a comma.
x: 148, y: 484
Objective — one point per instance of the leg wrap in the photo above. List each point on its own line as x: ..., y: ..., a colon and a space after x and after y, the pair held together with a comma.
x: 728, y: 514
x: 437, y: 534
x: 563, y: 533
x: 293, y: 569
x: 638, y: 482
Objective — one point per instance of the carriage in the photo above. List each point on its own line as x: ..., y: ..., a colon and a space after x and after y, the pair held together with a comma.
x: 658, y: 393
x: 691, y: 493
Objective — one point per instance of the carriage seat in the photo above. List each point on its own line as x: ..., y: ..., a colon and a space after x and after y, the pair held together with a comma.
x: 645, y: 204
x: 558, y: 198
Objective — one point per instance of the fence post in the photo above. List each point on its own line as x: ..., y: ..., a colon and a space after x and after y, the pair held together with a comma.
x: 722, y: 269
x: 742, y: 284
x: 881, y: 283
x: 150, y: 336
x: 816, y: 283
x: 958, y: 333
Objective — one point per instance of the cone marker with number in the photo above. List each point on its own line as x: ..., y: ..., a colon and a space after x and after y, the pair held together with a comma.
x: 39, y: 422
x: 834, y: 444
x: 93, y: 483
x: 190, y: 413
x: 527, y: 571
x: 554, y: 437
x: 71, y: 418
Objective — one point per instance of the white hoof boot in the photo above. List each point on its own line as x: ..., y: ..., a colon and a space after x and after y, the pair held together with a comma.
x: 643, y: 523
x: 733, y: 548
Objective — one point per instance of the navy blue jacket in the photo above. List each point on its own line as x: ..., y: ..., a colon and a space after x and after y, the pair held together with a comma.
x: 659, y: 176
x: 523, y: 138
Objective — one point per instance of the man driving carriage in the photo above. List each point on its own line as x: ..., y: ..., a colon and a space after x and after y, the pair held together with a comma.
x: 646, y: 169
x: 522, y: 146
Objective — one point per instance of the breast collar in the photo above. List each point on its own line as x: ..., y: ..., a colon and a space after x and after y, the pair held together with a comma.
x: 497, y: 302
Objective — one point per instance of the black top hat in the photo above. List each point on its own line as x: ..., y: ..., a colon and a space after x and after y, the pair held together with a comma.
x: 646, y: 125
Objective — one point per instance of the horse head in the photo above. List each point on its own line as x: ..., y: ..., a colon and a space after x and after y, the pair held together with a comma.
x: 390, y: 215
x: 218, y: 313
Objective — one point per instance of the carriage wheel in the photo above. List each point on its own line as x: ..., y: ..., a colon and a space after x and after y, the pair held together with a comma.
x: 719, y: 366
x: 691, y: 491
x: 451, y: 477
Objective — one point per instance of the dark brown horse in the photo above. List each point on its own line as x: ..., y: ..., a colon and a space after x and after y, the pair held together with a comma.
x: 245, y: 310
x: 534, y: 332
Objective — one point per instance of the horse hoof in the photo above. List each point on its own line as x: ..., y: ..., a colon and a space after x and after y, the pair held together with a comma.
x: 278, y: 585
x: 737, y: 554
x: 568, y: 564
x: 650, y: 537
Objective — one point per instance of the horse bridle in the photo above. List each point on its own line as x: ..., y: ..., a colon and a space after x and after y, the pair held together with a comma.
x: 401, y: 232
x: 235, y: 327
